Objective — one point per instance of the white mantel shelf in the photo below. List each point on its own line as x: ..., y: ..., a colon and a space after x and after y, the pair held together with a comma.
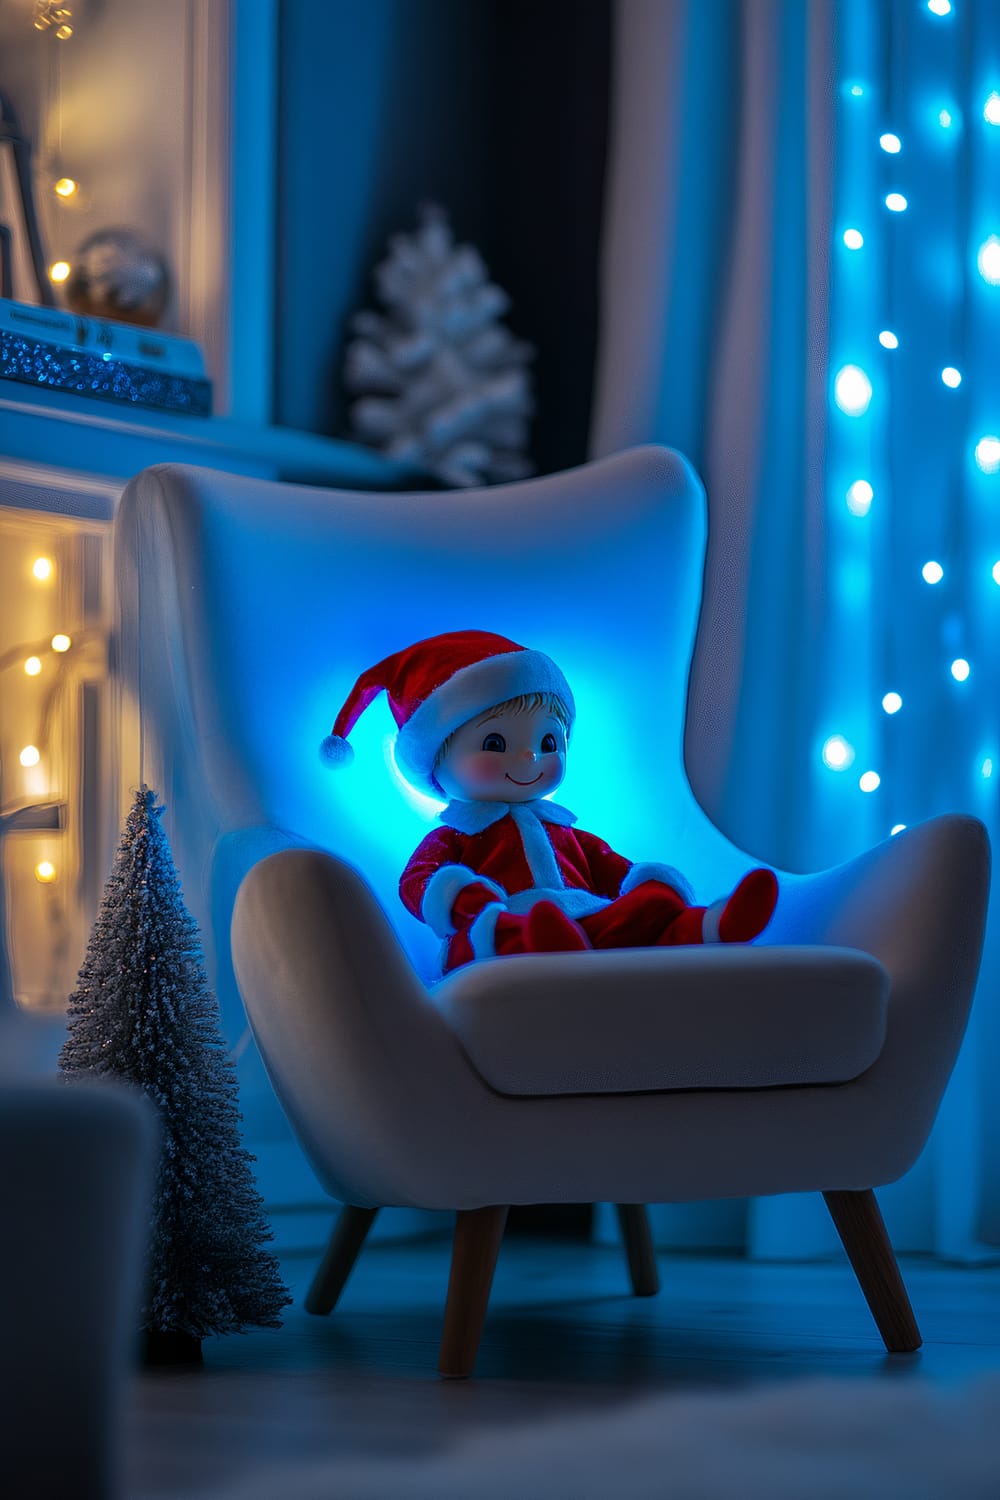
x: 111, y: 443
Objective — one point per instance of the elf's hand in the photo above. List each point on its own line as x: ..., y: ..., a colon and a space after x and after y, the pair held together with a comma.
x: 454, y: 896
x: 470, y: 901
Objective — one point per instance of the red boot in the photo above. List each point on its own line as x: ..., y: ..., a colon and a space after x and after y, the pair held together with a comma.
x: 685, y: 928
x: 550, y: 930
x: 748, y: 910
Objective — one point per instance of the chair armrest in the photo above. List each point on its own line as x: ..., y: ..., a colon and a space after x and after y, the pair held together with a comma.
x: 372, y: 1080
x: 918, y: 904
x: 917, y: 894
x: 235, y: 853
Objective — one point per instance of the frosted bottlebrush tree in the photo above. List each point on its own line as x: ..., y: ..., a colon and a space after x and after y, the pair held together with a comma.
x: 442, y: 383
x: 143, y: 1013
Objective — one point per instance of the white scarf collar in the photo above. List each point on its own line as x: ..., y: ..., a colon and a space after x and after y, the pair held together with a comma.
x: 474, y: 817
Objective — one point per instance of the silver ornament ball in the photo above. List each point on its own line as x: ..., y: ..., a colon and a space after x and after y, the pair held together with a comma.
x: 117, y: 274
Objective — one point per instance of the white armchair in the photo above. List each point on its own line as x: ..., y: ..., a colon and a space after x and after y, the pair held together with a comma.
x: 814, y: 1059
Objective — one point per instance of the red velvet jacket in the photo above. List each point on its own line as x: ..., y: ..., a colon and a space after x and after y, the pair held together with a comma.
x: 526, y: 850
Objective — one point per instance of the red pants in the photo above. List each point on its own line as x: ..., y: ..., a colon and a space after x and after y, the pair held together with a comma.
x: 650, y: 915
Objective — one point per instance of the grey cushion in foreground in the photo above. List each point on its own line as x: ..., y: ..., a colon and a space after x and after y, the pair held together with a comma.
x: 716, y: 1017
x: 76, y: 1167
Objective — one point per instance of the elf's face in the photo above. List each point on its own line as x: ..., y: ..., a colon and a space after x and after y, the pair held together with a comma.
x: 504, y: 756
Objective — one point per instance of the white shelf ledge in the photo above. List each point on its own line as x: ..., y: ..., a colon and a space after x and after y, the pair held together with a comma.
x: 111, y: 442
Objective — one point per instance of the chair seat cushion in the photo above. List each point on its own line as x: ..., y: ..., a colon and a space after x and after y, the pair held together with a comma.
x: 714, y: 1017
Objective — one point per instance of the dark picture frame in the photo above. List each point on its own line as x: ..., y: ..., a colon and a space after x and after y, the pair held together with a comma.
x: 23, y: 273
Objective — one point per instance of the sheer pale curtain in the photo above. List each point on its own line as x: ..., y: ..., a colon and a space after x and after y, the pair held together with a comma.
x: 713, y: 339
x: 719, y: 336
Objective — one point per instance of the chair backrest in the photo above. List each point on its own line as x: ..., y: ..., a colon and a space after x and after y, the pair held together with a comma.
x: 249, y: 607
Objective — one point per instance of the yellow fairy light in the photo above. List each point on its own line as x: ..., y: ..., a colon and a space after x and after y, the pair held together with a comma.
x: 42, y: 569
x: 66, y: 187
x: 50, y: 15
x: 33, y: 666
x: 45, y: 872
x: 30, y: 755
x: 59, y: 270
x: 61, y: 643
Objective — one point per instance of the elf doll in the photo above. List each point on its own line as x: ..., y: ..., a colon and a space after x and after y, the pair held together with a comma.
x: 485, y: 723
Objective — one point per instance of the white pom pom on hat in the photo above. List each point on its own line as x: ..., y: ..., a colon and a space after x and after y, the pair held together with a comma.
x: 336, y: 751
x: 437, y: 685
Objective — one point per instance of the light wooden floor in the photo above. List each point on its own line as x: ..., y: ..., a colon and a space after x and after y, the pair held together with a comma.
x: 563, y: 1336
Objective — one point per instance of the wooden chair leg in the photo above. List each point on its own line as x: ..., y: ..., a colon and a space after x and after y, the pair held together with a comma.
x: 349, y: 1233
x: 634, y: 1223
x: 862, y: 1230
x: 478, y: 1232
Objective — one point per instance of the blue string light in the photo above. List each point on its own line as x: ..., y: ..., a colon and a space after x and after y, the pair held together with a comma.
x: 852, y: 390
x: 913, y: 467
x: 988, y: 260
x: 859, y: 497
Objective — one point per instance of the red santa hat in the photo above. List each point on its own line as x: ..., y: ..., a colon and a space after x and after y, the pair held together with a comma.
x: 436, y: 686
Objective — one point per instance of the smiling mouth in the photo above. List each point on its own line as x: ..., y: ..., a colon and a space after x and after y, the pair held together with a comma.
x: 522, y: 783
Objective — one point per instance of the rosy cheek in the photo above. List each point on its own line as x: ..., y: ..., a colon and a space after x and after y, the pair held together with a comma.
x: 482, y: 770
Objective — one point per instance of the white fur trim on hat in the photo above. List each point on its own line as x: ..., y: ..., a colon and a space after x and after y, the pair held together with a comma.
x: 468, y: 692
x: 666, y: 874
x: 441, y: 890
x: 336, y: 751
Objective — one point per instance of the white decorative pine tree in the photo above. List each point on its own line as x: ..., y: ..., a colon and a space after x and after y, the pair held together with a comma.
x: 143, y: 1013
x: 442, y: 383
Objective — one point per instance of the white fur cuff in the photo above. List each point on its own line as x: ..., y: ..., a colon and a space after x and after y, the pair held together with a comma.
x: 482, y: 933
x: 666, y: 874
x: 710, y: 921
x: 440, y: 893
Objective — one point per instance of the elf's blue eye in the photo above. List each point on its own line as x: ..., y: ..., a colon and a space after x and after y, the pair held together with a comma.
x: 495, y: 742
x: 548, y: 744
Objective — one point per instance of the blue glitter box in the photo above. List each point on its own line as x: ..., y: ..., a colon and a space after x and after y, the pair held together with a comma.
x: 58, y: 351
